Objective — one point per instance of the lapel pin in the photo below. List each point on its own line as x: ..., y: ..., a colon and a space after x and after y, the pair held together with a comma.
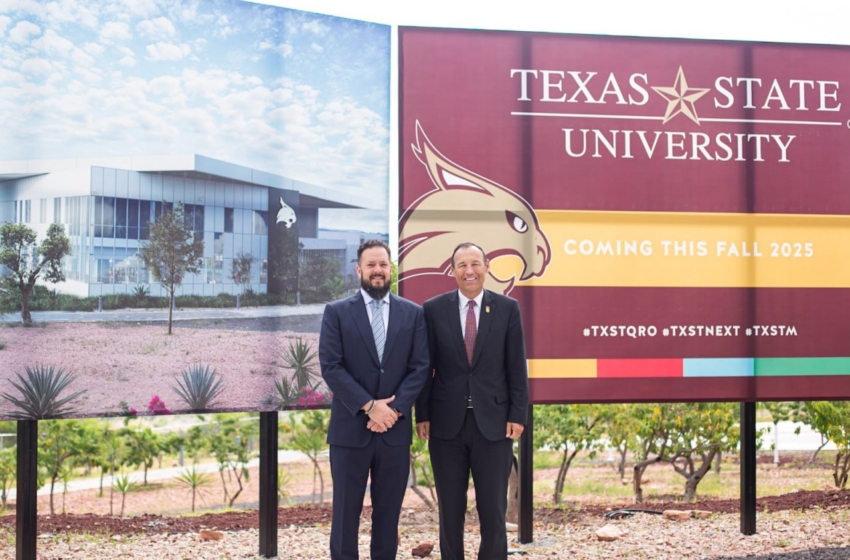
x: 487, y: 309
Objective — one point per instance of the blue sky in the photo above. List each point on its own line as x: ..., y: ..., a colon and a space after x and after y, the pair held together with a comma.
x: 289, y: 92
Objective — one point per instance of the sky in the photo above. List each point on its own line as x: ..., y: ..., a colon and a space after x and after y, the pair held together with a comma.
x: 812, y: 21
x: 294, y: 93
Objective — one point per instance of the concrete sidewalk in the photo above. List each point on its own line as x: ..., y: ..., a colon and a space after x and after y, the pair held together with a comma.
x: 145, y: 315
x: 283, y: 456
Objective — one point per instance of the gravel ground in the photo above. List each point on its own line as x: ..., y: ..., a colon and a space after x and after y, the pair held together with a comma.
x: 132, y: 362
x: 785, y: 535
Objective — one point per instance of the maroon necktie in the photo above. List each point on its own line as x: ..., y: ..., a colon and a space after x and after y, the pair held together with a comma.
x: 469, y: 336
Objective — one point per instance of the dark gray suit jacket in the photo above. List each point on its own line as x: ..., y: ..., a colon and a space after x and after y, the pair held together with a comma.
x: 497, y: 378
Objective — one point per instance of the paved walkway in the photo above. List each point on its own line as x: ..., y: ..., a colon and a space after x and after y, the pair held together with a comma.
x: 283, y: 456
x: 144, y: 315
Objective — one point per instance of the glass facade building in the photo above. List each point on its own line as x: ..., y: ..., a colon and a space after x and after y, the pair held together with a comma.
x: 107, y: 208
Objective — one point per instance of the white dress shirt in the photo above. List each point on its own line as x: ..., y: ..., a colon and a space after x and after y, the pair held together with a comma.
x: 463, y: 304
x: 385, y: 309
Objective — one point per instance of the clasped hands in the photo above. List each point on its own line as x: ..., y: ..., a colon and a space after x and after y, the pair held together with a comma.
x: 382, y: 416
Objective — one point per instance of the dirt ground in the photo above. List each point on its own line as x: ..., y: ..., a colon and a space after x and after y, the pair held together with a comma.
x: 163, y: 506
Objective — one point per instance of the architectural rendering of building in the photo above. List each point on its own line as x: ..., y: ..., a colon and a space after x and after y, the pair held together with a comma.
x: 107, y: 205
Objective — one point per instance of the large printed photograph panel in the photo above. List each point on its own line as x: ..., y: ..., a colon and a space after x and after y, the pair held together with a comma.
x: 183, y: 186
x: 672, y: 215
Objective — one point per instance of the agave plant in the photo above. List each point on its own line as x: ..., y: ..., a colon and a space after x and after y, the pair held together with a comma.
x: 199, y: 386
x: 287, y: 392
x: 40, y: 393
x: 299, y: 358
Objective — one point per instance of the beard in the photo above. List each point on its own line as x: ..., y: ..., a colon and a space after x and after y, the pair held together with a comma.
x: 375, y: 292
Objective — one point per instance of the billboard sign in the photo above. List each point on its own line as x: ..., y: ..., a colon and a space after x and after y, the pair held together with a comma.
x: 215, y: 112
x: 672, y: 215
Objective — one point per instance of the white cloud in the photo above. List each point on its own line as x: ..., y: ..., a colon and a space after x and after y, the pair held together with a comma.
x: 70, y: 11
x: 36, y: 67
x: 316, y: 47
x: 168, y: 51
x: 165, y: 86
x: 10, y: 77
x: 138, y: 8
x: 198, y: 121
x: 4, y: 23
x: 207, y: 84
x: 93, y: 49
x: 157, y: 28
x: 115, y: 32
x: 283, y: 49
x: 22, y: 32
x: 127, y: 61
x: 315, y: 27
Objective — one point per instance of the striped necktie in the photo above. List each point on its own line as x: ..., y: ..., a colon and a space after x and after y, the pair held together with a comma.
x: 470, y: 331
x: 378, y: 327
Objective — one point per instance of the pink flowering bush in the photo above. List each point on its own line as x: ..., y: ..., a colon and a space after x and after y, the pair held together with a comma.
x: 157, y: 406
x: 311, y: 397
x: 126, y: 409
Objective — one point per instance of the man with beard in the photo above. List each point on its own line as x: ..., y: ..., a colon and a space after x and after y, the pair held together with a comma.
x: 373, y: 349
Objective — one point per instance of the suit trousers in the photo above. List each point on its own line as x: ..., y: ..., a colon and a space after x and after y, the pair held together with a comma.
x: 389, y: 466
x: 490, y: 464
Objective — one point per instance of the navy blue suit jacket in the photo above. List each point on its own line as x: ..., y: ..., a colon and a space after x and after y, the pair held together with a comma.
x: 351, y: 369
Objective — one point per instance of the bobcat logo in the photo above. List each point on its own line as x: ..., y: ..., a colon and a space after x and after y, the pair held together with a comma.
x: 467, y: 207
x: 286, y: 215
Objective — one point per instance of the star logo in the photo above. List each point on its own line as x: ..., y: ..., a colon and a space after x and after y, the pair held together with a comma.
x: 680, y: 98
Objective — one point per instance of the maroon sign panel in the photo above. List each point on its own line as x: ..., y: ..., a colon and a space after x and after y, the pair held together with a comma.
x: 672, y: 215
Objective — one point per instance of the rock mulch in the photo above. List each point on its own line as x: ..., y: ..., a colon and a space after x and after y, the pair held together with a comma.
x: 812, y: 534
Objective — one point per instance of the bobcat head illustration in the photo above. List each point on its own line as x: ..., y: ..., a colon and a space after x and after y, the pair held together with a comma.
x: 286, y: 215
x: 466, y: 207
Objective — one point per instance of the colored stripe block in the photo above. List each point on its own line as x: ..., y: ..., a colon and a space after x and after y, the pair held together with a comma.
x: 719, y: 367
x: 561, y: 368
x: 765, y: 367
x: 640, y: 368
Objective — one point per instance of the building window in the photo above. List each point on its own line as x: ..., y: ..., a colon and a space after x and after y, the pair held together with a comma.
x: 42, y: 211
x: 57, y: 210
x: 228, y: 220
x: 261, y: 222
x: 144, y: 218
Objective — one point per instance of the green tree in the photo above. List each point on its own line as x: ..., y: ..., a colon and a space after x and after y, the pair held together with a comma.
x: 172, y: 251
x: 27, y: 260
x: 8, y: 471
x: 284, y: 250
x: 143, y: 446
x: 687, y: 436
x: 320, y: 280
x: 420, y: 464
x: 310, y: 438
x: 832, y: 420
x: 569, y: 429
x: 58, y: 440
x: 782, y: 412
x: 240, y: 269
x: 619, y: 428
x: 228, y: 441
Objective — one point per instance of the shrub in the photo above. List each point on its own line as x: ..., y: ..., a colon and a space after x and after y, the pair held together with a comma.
x: 41, y: 390
x: 199, y: 387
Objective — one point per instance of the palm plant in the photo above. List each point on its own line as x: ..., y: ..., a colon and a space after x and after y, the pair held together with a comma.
x: 124, y: 485
x: 40, y: 393
x: 299, y: 358
x: 199, y: 386
x: 194, y: 480
x: 284, y: 479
